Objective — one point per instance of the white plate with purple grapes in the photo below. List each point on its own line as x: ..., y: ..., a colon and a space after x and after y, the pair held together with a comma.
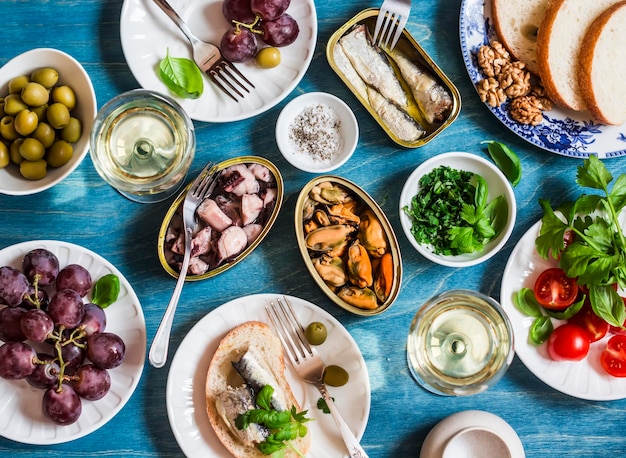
x: 148, y: 35
x: 74, y: 364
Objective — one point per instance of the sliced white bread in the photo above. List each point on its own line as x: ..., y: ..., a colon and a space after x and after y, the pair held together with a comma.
x: 602, y: 66
x: 559, y: 40
x: 516, y: 23
x: 221, y: 374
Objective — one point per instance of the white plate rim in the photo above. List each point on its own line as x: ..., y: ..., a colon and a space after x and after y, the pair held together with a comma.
x: 462, y: 161
x: 564, y: 132
x: 124, y: 378
x: 186, y: 407
x: 582, y: 379
x: 141, y: 46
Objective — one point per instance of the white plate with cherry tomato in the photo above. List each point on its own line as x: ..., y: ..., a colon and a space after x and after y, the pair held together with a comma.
x: 584, y: 379
x: 147, y: 34
x: 21, y: 415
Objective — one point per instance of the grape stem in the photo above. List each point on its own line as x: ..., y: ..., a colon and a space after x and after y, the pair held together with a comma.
x: 250, y: 27
x: 59, y: 343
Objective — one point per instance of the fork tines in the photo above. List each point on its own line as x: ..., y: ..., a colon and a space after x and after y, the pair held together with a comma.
x: 223, y: 74
x: 386, y: 23
x: 205, y: 182
x: 290, y: 331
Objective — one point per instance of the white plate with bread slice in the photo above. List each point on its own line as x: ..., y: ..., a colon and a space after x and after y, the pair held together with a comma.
x: 572, y: 36
x: 185, y: 392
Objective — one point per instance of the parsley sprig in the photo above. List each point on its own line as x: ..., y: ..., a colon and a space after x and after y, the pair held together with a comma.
x: 284, y: 426
x: 597, y: 257
x: 452, y: 214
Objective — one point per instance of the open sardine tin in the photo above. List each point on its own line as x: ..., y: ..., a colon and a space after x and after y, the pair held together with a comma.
x: 416, y: 54
x: 268, y: 220
x: 365, y: 202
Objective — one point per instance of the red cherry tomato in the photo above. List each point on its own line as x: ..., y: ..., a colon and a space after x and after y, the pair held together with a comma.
x: 568, y: 342
x: 554, y: 290
x: 595, y: 326
x: 613, y: 357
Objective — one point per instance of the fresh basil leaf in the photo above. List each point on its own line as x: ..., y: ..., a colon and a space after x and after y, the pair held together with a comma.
x: 540, y: 330
x: 506, y: 160
x: 106, y: 290
x: 482, y: 191
x: 569, y: 311
x: 607, y: 304
x: 527, y: 303
x: 497, y: 212
x: 181, y: 76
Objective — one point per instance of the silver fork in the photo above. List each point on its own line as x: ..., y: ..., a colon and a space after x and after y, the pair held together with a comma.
x: 201, y: 188
x: 308, y: 364
x: 209, y: 58
x: 393, y: 14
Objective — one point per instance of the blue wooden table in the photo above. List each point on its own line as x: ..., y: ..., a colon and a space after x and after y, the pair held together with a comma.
x: 86, y: 211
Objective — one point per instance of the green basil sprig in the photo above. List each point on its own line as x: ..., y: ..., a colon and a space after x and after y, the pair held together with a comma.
x: 106, y: 290
x: 181, y: 76
x: 506, y: 160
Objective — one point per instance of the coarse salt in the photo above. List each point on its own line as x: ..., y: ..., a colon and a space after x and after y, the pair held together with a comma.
x: 315, y: 133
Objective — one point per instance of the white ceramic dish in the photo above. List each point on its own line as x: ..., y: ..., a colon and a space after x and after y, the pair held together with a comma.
x: 21, y: 415
x: 582, y: 379
x: 563, y: 132
x: 186, y: 405
x: 472, y: 434
x: 147, y: 33
x: 497, y: 185
x: 72, y: 73
x: 348, y: 130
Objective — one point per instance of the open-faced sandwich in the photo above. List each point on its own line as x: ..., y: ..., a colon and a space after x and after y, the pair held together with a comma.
x: 249, y: 401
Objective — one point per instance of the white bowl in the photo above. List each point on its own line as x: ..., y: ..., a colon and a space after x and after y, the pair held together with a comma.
x: 71, y: 73
x: 348, y: 132
x: 497, y: 185
x: 471, y: 434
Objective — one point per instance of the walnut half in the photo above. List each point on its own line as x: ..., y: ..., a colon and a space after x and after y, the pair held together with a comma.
x: 526, y: 110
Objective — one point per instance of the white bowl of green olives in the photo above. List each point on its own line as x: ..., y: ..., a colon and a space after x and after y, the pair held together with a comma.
x: 47, y: 108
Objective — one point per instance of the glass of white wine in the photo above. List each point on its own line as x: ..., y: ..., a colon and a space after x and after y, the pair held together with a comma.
x: 460, y: 343
x: 142, y: 144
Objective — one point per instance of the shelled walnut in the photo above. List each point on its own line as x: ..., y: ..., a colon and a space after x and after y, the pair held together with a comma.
x: 506, y: 79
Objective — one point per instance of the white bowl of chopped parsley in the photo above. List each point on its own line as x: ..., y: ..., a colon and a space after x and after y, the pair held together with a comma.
x: 457, y: 209
x: 317, y: 132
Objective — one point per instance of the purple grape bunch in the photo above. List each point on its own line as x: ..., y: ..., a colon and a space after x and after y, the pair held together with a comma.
x: 52, y: 337
x: 251, y: 20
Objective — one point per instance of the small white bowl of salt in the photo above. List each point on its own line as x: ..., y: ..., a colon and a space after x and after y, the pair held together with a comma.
x: 317, y: 132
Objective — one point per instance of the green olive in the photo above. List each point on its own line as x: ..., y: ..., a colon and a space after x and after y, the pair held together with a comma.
x: 14, y: 151
x: 46, y: 76
x: 31, y: 149
x: 72, y: 132
x: 34, y: 94
x: 58, y: 115
x: 33, y: 170
x: 316, y: 333
x: 64, y: 95
x: 45, y: 134
x: 7, y: 128
x: 2, y: 113
x: 268, y: 57
x: 41, y: 111
x: 16, y: 84
x: 13, y: 104
x: 5, y: 158
x: 25, y: 122
x: 335, y: 376
x: 59, y: 153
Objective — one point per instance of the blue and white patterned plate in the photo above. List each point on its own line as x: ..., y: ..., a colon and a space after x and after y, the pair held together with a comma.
x: 563, y: 132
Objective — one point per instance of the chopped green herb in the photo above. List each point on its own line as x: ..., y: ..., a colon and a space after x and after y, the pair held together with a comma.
x: 322, y: 405
x: 506, y: 160
x: 106, y: 290
x: 284, y: 426
x: 181, y: 76
x: 450, y: 212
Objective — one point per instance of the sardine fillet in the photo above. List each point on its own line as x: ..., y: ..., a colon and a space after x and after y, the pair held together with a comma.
x: 345, y: 66
x: 372, y: 65
x: 398, y: 121
x: 431, y: 97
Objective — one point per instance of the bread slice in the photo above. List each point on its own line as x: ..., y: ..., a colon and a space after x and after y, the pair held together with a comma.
x: 221, y: 374
x: 559, y: 40
x: 516, y: 23
x: 602, y: 66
